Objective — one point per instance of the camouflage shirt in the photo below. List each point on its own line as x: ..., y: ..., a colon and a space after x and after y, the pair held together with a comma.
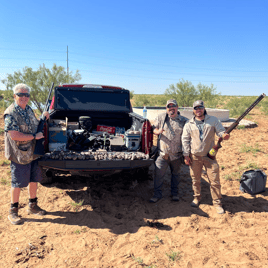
x: 24, y: 121
x: 11, y: 123
x: 170, y: 141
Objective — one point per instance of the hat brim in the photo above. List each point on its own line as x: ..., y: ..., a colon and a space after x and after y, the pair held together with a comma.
x: 172, y: 103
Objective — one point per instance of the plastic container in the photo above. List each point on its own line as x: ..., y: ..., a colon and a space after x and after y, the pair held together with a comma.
x: 57, y: 135
x: 133, y: 140
x: 145, y: 112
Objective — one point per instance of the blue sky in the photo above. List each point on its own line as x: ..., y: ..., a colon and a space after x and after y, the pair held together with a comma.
x: 143, y: 46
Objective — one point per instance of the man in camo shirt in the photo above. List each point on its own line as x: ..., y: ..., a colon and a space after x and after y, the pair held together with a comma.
x: 20, y: 137
x: 170, y: 149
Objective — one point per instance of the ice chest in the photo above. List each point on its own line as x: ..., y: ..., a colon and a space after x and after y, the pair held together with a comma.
x: 133, y: 140
x: 57, y: 135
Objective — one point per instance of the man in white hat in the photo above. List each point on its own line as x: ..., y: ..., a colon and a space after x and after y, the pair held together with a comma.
x: 197, y: 139
x: 170, y: 149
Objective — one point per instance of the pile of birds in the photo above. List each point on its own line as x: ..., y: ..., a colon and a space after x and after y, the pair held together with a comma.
x: 97, y: 155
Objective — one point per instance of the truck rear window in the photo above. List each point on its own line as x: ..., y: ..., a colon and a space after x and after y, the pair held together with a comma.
x: 85, y: 99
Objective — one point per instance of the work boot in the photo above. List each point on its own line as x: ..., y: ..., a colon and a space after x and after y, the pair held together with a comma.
x: 219, y: 209
x: 195, y: 203
x: 13, y: 216
x: 175, y: 198
x: 35, y: 209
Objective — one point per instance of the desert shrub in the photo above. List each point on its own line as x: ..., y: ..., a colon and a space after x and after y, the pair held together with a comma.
x: 143, y: 100
x: 185, y: 94
x: 238, y: 105
x: 264, y: 106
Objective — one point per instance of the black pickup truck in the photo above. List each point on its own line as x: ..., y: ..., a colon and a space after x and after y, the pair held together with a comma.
x: 93, y: 131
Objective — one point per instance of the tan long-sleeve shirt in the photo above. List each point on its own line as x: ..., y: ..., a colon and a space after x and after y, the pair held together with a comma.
x: 191, y: 141
x: 170, y: 142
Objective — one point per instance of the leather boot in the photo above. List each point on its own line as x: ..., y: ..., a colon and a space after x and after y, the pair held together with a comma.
x: 13, y: 216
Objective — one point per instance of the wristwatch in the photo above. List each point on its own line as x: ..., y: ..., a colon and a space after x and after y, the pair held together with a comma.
x: 34, y: 135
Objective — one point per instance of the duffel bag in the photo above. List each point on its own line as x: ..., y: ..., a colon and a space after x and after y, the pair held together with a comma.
x: 253, y: 181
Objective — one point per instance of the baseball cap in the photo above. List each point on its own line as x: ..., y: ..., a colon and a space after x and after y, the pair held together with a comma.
x: 172, y: 101
x: 198, y: 103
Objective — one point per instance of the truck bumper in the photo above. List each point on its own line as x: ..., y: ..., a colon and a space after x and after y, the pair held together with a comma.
x: 94, y: 165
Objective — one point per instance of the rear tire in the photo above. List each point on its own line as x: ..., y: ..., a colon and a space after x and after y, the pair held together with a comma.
x: 46, y: 179
x: 139, y: 174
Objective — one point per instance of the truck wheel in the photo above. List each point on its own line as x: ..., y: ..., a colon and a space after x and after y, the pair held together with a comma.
x: 144, y: 174
x: 139, y: 174
x: 46, y: 179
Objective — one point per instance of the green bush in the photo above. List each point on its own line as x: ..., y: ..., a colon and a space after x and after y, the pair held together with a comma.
x: 185, y: 94
x: 238, y: 105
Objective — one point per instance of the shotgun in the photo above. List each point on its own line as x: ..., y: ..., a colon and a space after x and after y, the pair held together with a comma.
x: 213, y: 151
x: 39, y: 149
x: 154, y: 154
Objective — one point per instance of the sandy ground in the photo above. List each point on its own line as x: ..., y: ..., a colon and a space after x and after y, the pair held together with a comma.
x: 116, y: 226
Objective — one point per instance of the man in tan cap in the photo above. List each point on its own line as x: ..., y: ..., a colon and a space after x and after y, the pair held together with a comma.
x: 197, y: 139
x: 170, y: 149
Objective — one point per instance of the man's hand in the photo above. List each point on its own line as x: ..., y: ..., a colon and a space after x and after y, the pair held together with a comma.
x: 158, y: 131
x: 226, y: 136
x: 46, y: 114
x: 39, y: 136
x: 187, y: 160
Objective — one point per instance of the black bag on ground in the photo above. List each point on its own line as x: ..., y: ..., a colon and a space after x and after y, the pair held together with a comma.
x: 253, y: 181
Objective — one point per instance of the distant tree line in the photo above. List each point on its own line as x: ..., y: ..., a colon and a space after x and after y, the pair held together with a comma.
x: 184, y: 92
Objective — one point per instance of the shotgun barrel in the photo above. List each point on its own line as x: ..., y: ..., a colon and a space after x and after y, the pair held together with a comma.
x: 39, y: 149
x: 213, y: 151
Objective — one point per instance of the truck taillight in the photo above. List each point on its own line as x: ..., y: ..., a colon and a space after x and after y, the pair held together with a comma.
x: 147, y: 137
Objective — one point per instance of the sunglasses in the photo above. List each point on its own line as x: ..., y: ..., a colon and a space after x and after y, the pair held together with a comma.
x: 27, y: 95
x: 199, y: 107
x: 171, y: 106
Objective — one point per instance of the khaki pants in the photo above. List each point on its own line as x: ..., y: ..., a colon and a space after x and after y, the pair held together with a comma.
x: 212, y: 169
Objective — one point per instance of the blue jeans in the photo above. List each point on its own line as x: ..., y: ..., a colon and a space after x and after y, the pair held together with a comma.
x: 21, y: 175
x: 161, y: 166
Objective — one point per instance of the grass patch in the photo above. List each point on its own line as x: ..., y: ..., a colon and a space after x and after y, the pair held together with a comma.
x: 157, y: 239
x: 139, y: 260
x: 76, y: 206
x: 173, y: 256
x: 83, y: 230
x: 232, y: 176
x: 4, y: 162
x: 241, y: 127
x: 250, y: 149
x: 4, y: 181
x: 249, y: 165
x: 2, y: 131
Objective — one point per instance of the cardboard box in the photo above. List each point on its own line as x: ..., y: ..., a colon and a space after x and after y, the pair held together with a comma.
x: 107, y: 129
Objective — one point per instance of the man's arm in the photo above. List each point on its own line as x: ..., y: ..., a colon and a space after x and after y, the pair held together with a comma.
x: 186, y: 139
x: 157, y: 129
x: 220, y: 130
x: 12, y: 128
x: 19, y: 136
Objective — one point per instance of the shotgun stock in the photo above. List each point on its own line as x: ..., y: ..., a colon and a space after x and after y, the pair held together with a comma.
x: 39, y: 149
x: 213, y: 151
